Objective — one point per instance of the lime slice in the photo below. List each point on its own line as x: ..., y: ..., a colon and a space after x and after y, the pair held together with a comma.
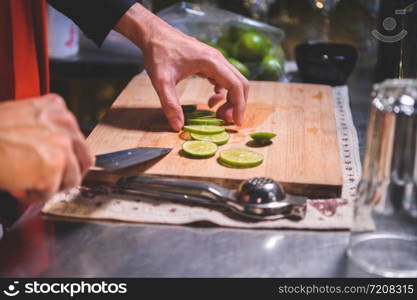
x: 240, y: 158
x: 199, y: 148
x: 262, y: 136
x: 203, y: 121
x: 219, y: 139
x: 200, y: 114
x: 204, y: 129
x: 189, y: 108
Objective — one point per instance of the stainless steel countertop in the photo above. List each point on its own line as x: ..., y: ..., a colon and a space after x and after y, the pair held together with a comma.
x: 46, y: 247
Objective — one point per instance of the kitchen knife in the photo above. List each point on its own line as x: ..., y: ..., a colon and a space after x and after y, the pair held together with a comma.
x: 125, y: 158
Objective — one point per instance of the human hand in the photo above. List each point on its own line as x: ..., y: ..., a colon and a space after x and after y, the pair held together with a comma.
x: 42, y: 150
x: 171, y: 56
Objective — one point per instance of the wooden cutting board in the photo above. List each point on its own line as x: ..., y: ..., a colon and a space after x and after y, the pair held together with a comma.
x: 304, y: 156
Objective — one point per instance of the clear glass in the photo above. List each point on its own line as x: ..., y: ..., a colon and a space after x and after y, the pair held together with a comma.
x: 390, y: 249
x: 384, y: 234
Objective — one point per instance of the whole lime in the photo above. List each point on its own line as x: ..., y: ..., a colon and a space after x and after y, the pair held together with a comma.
x: 237, y: 30
x: 240, y: 66
x: 271, y: 69
x: 252, y: 46
x: 215, y: 46
x: 278, y: 52
x: 225, y: 43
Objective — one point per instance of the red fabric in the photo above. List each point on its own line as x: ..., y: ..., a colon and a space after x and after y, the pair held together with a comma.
x: 26, y: 248
x: 24, y: 73
x: 23, y: 49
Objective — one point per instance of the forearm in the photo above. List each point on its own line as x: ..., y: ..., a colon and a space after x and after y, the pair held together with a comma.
x: 138, y: 25
x: 95, y: 17
x: 143, y: 27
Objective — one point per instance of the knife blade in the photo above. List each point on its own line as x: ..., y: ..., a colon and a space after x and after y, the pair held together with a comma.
x: 125, y: 158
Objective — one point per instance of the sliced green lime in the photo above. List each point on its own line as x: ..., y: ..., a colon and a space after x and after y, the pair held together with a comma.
x: 240, y: 158
x: 199, y: 148
x: 219, y: 139
x: 200, y: 114
x: 262, y: 136
x: 204, y: 129
x: 202, y: 121
x: 189, y: 108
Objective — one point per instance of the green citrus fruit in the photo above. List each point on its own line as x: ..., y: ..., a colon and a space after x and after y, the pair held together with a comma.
x: 236, y: 31
x: 200, y: 114
x: 252, y: 46
x: 277, y: 52
x: 215, y: 46
x: 240, y: 66
x: 240, y: 158
x: 218, y: 139
x: 188, y: 108
x: 204, y: 129
x: 262, y: 137
x: 202, y: 121
x: 225, y: 43
x: 271, y: 69
x: 199, y: 149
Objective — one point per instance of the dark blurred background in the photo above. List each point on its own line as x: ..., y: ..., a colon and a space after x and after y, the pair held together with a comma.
x: 91, y: 79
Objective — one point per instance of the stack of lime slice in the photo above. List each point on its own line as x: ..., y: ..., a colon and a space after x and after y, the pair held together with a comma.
x: 204, y: 129
x: 205, y: 140
x: 207, y: 135
x: 200, y: 114
x: 219, y: 139
x: 205, y: 121
x: 189, y: 108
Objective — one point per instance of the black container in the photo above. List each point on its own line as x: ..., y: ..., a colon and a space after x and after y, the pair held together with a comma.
x: 325, y: 63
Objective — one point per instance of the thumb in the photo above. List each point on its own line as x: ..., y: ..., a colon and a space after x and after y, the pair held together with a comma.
x: 170, y: 105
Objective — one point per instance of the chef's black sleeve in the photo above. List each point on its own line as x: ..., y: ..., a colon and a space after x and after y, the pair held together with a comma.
x: 94, y: 17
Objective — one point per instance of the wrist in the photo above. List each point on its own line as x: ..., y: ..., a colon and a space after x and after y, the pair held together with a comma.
x: 136, y: 25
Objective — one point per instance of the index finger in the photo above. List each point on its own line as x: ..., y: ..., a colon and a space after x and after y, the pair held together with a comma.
x: 242, y: 78
x: 223, y: 76
x: 170, y: 103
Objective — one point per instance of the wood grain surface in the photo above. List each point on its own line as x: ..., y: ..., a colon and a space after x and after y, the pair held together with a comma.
x: 304, y: 156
